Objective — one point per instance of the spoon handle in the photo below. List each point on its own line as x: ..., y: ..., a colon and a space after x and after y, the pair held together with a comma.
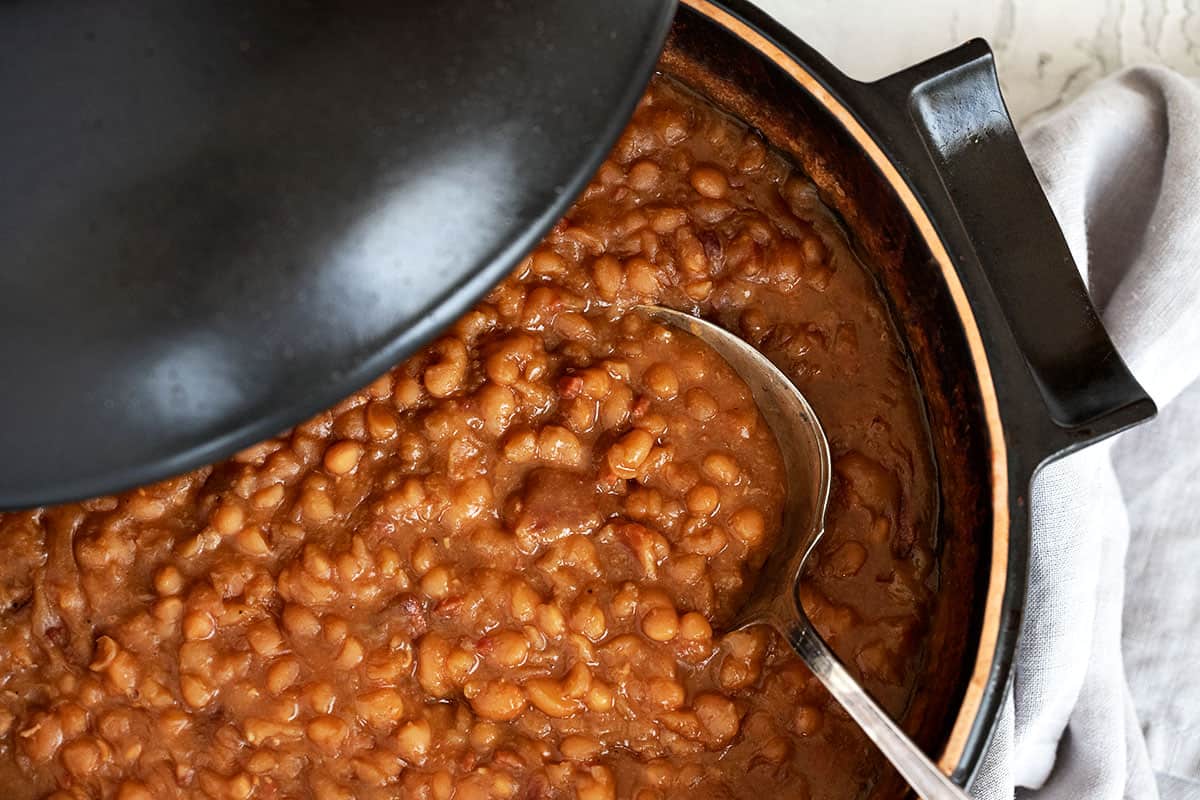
x: 921, y: 773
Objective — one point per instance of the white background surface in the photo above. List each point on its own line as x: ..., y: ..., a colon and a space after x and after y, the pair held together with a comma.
x: 1046, y: 50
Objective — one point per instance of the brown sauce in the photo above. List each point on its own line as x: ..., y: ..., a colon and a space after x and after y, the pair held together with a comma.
x: 501, y: 570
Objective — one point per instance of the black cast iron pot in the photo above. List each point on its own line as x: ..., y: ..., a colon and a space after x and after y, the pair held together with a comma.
x: 196, y: 330
x: 930, y: 179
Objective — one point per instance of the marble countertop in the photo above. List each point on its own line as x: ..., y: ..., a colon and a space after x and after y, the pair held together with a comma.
x: 1047, y: 51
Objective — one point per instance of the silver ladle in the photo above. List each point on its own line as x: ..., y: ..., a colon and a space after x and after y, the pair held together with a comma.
x: 805, y: 452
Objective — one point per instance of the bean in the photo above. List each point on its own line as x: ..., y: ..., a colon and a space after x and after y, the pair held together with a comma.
x: 662, y: 382
x: 644, y: 176
x: 748, y: 526
x: 497, y: 406
x: 547, y: 696
x: 718, y: 715
x: 495, y: 700
x: 558, y: 445
x: 196, y: 693
x: 627, y: 454
x: 506, y: 648
x: 282, y: 674
x: 694, y: 627
x: 327, y: 732
x: 168, y: 580
x: 381, y: 421
x: 381, y: 707
x: 709, y: 181
x: 579, y: 748
x: 228, y: 519
x: 343, y: 457
x: 661, y: 624
x: 703, y: 499
x: 721, y: 468
x: 609, y: 276
x: 445, y: 376
x: 413, y: 741
x: 82, y: 756
x: 198, y: 625
x: 642, y: 277
x: 700, y: 404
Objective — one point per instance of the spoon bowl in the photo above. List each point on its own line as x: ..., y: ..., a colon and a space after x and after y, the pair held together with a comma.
x: 775, y: 599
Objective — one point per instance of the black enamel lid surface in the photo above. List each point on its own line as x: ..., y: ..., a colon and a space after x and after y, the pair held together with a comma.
x: 217, y: 218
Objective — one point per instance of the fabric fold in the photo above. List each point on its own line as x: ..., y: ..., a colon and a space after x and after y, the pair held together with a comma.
x: 1121, y: 168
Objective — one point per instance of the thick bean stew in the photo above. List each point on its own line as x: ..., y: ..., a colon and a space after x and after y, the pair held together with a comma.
x: 505, y: 568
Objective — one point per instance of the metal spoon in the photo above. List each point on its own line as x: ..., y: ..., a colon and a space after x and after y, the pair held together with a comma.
x: 805, y: 452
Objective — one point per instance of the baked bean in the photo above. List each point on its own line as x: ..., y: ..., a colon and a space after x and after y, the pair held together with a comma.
x: 495, y: 571
x: 495, y: 700
x: 381, y: 707
x: 134, y: 790
x: 557, y: 445
x: 749, y: 526
x: 546, y: 263
x: 342, y: 457
x: 700, y: 404
x: 644, y: 176
x: 228, y: 519
x: 721, y: 468
x: 709, y: 181
x: 250, y: 540
x: 195, y: 691
x: 699, y: 290
x: 599, y: 698
x: 321, y: 697
x: 547, y: 696
x: 413, y: 741
x: 703, y: 500
x: 282, y: 674
x: 506, y: 648
x: 694, y: 627
x: 662, y: 381
x: 268, y: 497
x: 521, y: 446
x: 327, y: 732
x: 642, y: 278
x: 316, y: 505
x: 436, y: 583
x: 198, y: 625
x: 380, y: 421
x: 168, y: 580
x: 661, y: 624
x: 628, y: 454
x: 497, y: 405
x: 445, y: 376
x: 579, y: 748
x: 718, y: 715
x: 588, y: 619
x: 597, y: 784
x: 609, y: 276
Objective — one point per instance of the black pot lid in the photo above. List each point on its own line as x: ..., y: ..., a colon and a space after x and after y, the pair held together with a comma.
x: 217, y: 218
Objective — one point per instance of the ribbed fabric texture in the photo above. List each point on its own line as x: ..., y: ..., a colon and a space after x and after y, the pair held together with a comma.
x: 1106, y: 701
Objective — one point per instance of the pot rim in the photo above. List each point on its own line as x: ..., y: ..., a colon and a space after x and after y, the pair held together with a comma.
x: 971, y: 713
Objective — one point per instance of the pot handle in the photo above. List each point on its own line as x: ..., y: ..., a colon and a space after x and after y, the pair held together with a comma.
x: 960, y: 152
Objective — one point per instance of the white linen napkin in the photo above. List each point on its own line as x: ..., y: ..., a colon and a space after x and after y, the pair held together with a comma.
x: 1106, y: 699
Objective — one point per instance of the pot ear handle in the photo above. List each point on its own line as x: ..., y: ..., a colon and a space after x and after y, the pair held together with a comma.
x: 958, y: 149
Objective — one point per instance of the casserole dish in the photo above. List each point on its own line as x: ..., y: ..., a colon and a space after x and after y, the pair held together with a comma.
x: 1013, y: 367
